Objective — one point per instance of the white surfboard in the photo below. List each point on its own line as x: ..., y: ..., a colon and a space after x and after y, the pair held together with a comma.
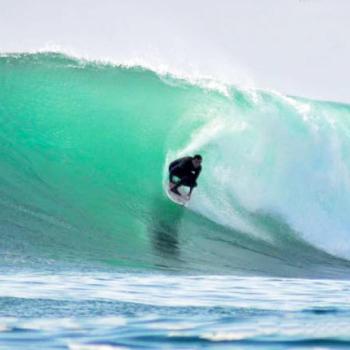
x: 181, y: 200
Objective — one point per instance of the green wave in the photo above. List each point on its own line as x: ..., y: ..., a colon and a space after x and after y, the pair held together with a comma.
x: 84, y: 151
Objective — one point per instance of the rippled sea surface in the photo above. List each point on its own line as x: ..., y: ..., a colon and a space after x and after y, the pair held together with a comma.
x: 146, y: 311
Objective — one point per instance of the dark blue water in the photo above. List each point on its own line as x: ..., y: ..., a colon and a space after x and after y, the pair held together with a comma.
x: 147, y: 311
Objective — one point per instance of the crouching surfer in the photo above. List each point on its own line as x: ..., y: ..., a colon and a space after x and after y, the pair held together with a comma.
x: 187, y: 170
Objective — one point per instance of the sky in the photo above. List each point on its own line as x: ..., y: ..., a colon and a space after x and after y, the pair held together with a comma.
x: 297, y: 47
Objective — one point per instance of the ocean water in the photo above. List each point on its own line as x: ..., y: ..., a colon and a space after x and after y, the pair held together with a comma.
x: 94, y: 256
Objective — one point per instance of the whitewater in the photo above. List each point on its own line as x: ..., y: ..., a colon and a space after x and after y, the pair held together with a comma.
x: 95, y: 256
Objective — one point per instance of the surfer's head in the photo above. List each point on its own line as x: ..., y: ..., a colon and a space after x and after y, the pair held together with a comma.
x: 197, y: 160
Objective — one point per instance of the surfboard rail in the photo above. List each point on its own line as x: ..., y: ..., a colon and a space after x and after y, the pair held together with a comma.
x: 181, y: 200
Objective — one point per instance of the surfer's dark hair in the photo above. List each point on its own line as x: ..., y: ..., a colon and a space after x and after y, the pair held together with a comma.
x: 197, y: 156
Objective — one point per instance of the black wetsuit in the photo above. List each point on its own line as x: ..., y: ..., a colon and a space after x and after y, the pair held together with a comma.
x: 183, y: 169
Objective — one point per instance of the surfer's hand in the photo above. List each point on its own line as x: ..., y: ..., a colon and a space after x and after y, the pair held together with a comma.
x: 171, y: 185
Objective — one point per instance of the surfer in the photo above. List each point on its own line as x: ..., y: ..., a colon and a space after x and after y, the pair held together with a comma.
x: 187, y: 169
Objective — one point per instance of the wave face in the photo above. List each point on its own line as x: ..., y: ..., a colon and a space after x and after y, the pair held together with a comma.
x: 84, y: 152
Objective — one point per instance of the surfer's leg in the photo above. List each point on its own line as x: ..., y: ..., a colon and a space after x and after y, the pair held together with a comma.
x: 175, y: 185
x: 172, y: 173
x: 185, y: 181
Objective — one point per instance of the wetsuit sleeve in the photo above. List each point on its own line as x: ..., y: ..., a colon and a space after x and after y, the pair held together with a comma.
x: 178, y: 164
x: 183, y: 162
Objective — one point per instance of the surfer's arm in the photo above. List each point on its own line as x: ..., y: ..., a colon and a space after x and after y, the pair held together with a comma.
x: 195, y: 176
x: 196, y: 173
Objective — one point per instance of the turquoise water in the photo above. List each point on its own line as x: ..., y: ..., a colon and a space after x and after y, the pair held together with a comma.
x: 93, y: 253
